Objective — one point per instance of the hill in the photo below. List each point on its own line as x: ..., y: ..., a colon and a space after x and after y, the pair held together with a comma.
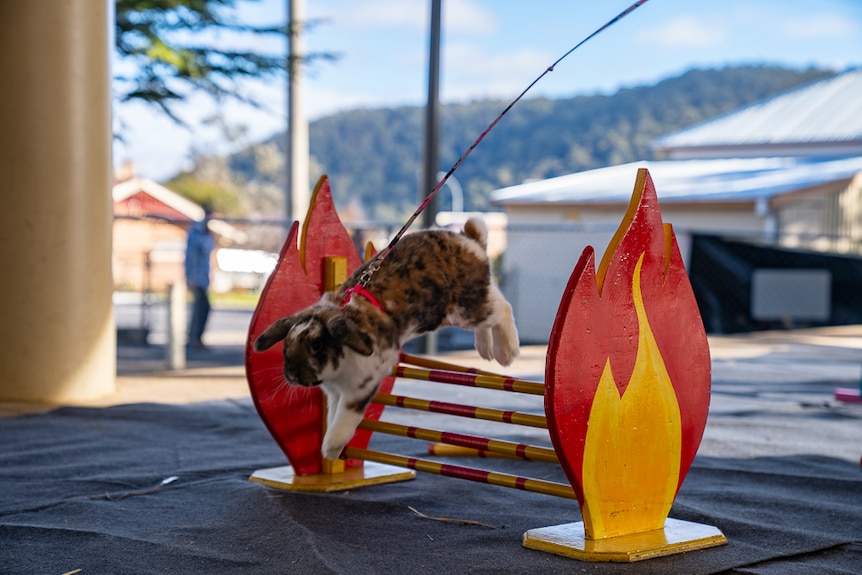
x: 373, y: 156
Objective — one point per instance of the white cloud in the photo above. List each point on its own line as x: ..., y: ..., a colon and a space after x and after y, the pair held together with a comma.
x: 468, y: 17
x: 459, y: 16
x: 684, y: 32
x: 157, y: 146
x: 160, y: 148
x: 383, y: 14
x: 819, y: 26
x: 473, y: 72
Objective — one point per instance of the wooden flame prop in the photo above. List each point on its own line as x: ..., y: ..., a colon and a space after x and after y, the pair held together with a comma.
x: 293, y: 415
x: 628, y: 381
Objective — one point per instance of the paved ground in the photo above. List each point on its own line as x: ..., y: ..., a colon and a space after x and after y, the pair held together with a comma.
x: 771, y: 375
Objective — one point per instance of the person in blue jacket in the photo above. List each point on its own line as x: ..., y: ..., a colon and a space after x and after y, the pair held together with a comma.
x: 199, y: 248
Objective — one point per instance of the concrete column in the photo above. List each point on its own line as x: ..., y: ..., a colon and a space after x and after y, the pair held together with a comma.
x: 57, y: 330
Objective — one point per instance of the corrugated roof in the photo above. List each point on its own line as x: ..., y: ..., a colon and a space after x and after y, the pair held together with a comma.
x: 825, y: 111
x: 708, y: 180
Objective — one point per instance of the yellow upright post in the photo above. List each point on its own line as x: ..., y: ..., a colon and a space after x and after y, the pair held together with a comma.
x: 57, y: 337
x: 334, y: 274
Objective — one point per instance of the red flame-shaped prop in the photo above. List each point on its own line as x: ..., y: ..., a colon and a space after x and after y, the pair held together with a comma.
x: 293, y: 415
x: 627, y: 393
x: 597, y: 323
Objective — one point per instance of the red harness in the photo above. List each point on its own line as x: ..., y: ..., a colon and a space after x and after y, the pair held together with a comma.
x: 360, y: 290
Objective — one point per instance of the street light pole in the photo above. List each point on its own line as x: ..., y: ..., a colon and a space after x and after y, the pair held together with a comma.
x: 432, y: 137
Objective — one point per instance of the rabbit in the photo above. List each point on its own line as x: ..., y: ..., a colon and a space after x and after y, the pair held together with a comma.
x: 351, y: 338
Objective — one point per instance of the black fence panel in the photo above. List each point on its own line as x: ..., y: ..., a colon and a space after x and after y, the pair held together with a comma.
x: 722, y: 270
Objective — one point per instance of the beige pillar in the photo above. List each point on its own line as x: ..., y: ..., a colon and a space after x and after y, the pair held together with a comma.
x: 57, y: 333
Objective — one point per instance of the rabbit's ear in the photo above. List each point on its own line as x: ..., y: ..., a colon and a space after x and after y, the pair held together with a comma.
x: 350, y: 333
x: 274, y: 333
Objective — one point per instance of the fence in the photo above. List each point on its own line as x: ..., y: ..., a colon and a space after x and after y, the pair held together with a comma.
x: 731, y: 276
x: 745, y: 285
x: 149, y: 255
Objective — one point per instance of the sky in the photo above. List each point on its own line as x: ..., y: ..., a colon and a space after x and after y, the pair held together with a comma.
x: 493, y: 49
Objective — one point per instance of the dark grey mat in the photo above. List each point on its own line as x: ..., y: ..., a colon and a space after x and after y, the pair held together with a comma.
x: 76, y: 492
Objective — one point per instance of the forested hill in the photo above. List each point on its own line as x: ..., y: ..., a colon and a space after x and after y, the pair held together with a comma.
x: 373, y: 156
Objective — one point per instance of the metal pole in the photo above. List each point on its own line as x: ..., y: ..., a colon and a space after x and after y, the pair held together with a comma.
x: 432, y: 117
x: 297, y: 191
x: 432, y: 137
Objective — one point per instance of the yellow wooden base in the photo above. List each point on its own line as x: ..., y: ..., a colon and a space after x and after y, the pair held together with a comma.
x: 369, y: 474
x: 677, y: 536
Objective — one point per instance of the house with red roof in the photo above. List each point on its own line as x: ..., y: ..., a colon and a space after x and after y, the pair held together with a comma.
x: 150, y: 224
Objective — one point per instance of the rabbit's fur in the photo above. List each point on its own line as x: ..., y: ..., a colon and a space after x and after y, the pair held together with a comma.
x: 430, y: 279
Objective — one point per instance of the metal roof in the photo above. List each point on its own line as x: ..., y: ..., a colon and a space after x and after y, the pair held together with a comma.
x: 825, y: 111
x: 701, y: 180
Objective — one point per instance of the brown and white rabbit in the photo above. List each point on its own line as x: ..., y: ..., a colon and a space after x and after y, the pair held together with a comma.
x: 349, y: 340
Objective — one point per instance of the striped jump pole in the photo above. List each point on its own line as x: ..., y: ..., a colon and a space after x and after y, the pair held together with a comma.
x: 460, y: 410
x: 497, y: 382
x: 468, y: 473
x: 433, y: 363
x: 519, y: 450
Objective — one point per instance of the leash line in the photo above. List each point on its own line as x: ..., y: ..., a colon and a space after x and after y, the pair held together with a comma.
x: 378, y: 259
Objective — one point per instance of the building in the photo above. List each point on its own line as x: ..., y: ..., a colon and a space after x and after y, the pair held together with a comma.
x: 150, y: 223
x: 823, y: 119
x: 149, y: 235
x: 819, y: 124
x: 786, y: 170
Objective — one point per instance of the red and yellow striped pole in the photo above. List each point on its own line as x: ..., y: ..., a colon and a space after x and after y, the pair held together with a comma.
x: 461, y: 410
x: 429, y: 363
x: 446, y: 450
x: 468, y: 473
x: 520, y: 450
x: 497, y: 382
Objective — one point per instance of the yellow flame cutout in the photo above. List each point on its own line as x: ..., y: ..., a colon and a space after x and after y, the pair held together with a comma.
x: 633, y: 443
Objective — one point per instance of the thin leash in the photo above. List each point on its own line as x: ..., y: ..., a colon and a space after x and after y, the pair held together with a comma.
x: 374, y: 265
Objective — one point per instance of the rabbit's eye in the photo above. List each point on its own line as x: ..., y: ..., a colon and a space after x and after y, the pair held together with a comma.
x: 316, y: 345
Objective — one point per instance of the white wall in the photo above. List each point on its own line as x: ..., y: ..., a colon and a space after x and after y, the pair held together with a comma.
x: 544, y: 245
x: 536, y: 268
